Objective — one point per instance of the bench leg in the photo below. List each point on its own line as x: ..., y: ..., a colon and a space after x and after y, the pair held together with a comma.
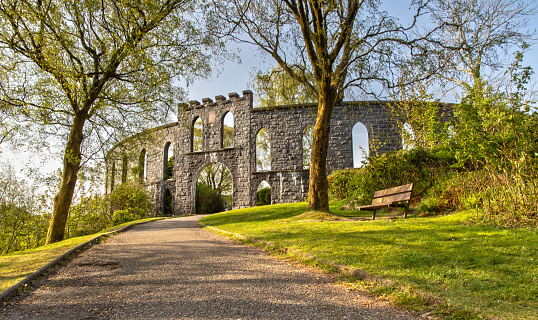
x: 373, y: 216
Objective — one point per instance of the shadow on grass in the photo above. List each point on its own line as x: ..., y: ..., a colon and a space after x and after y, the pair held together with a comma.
x: 446, y: 256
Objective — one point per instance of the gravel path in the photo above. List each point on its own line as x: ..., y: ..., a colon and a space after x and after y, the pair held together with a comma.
x: 172, y: 269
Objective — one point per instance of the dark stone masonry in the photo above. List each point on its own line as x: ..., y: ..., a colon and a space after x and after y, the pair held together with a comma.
x: 288, y: 180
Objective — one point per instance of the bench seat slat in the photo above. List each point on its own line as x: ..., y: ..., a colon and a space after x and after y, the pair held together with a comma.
x: 395, y: 190
x: 392, y: 198
x: 371, y: 207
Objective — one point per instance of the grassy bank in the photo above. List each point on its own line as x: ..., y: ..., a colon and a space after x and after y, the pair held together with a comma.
x: 445, y: 264
x: 17, y: 265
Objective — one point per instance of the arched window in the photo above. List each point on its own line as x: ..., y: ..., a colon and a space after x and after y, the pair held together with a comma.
x: 263, y: 150
x: 263, y: 194
x: 359, y: 137
x: 197, y: 135
x: 308, y: 135
x: 112, y: 176
x: 124, y: 169
x: 168, y: 161
x: 408, y: 136
x: 142, y: 166
x: 228, y: 130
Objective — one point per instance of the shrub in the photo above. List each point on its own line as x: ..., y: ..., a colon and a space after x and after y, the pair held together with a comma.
x: 263, y: 197
x: 91, y: 214
x: 132, y: 200
x: 419, y: 166
x: 88, y: 215
x: 208, y: 201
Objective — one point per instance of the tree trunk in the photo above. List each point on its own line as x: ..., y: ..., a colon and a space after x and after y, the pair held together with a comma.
x: 62, y: 200
x: 318, y: 195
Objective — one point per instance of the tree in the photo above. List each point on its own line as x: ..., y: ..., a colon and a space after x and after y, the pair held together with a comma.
x: 276, y: 87
x: 343, y: 44
x: 22, y: 222
x: 419, y: 118
x: 92, y: 72
x: 476, y: 35
x: 218, y: 177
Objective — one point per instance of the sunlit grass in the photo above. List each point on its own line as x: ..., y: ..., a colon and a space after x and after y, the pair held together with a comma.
x: 467, y: 269
x: 17, y: 265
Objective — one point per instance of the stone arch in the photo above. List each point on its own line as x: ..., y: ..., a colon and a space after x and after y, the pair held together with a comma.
x: 360, y: 140
x: 168, y: 202
x: 142, y: 166
x: 263, y: 150
x: 261, y: 197
x: 196, y: 177
x: 168, y: 156
x: 308, y: 134
x: 227, y: 127
x: 197, y: 135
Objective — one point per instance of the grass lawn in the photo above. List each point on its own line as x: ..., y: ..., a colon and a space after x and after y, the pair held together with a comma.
x: 444, y: 264
x: 17, y: 265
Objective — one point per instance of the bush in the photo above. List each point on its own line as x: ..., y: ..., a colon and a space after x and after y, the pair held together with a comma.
x: 128, y: 202
x: 132, y: 201
x: 419, y: 166
x: 88, y: 215
x: 208, y: 201
x: 263, y: 197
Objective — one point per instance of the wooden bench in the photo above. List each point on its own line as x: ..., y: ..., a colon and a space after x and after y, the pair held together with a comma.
x: 393, y: 197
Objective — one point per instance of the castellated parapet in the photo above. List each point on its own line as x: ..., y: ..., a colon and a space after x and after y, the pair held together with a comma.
x: 285, y: 124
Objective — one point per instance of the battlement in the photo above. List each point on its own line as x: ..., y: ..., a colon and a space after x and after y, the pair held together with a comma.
x: 221, y: 100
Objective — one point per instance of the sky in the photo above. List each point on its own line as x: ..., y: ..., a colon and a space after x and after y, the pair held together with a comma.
x: 232, y: 76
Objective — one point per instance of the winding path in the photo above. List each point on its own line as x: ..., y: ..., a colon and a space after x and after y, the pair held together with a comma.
x: 172, y: 269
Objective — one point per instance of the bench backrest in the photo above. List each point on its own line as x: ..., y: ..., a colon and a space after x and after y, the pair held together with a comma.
x: 396, y: 194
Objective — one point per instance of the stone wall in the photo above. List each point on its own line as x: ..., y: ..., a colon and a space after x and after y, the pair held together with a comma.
x: 285, y: 124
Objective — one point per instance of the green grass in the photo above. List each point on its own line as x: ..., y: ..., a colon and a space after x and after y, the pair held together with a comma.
x: 17, y: 265
x: 459, y: 269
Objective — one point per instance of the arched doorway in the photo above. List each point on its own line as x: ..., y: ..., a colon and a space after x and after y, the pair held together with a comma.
x: 168, y: 203
x: 212, y: 189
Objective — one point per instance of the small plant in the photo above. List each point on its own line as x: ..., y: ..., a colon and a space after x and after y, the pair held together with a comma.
x: 429, y: 206
x: 263, y: 197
